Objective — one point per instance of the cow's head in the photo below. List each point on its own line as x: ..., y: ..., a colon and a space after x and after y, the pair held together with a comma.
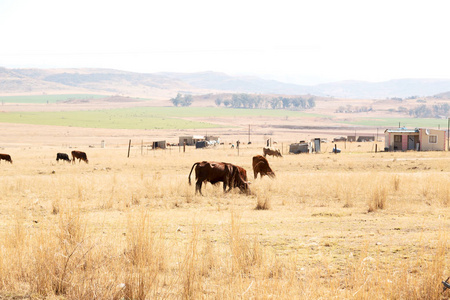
x: 278, y: 153
x: 239, y: 182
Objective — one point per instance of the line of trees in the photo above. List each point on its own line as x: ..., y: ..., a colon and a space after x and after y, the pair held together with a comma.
x: 353, y: 109
x: 435, y: 111
x: 260, y: 101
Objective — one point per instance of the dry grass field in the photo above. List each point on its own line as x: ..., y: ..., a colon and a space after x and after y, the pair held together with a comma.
x: 357, y: 225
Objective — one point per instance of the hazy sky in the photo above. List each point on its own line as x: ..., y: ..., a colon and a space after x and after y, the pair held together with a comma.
x: 308, y: 41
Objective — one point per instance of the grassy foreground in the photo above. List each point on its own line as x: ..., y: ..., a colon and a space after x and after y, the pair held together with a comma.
x: 355, y: 225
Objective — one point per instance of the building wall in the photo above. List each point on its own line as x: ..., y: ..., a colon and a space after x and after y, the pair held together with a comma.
x: 427, y: 145
x: 402, y: 145
x: 189, y: 140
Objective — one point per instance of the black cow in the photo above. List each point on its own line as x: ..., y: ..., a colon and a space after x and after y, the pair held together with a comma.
x: 62, y: 156
x: 6, y: 157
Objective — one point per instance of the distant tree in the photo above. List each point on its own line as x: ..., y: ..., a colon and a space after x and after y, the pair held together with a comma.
x: 341, y: 109
x: 187, y: 101
x: 218, y: 101
x: 226, y: 103
x: 177, y: 100
x: 286, y: 102
x: 274, y: 102
x: 181, y: 100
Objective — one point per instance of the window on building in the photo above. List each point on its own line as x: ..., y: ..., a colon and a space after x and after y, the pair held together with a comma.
x: 432, y: 139
x: 397, y: 138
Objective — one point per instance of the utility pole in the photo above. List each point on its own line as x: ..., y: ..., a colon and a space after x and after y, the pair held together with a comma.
x: 249, y: 133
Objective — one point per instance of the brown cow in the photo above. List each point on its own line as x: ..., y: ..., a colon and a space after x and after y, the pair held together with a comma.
x: 6, y: 157
x: 80, y: 155
x: 271, y: 151
x: 215, y: 172
x: 261, y: 166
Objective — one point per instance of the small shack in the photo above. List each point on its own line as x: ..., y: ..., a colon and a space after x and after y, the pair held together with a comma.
x: 419, y: 139
x: 340, y: 139
x: 190, y: 140
x: 301, y: 147
x: 201, y: 144
x: 366, y: 138
x: 360, y: 138
x: 351, y: 138
x: 159, y: 144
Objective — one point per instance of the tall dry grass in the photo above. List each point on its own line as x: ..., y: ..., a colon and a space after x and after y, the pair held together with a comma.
x: 121, y: 228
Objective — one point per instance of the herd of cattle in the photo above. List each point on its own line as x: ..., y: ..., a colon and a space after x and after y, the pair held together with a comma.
x: 232, y: 176
x: 80, y: 155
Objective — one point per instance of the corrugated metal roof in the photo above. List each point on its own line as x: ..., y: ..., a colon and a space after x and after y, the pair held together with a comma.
x: 404, y: 130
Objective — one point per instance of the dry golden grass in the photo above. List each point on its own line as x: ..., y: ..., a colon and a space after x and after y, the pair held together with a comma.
x: 353, y: 225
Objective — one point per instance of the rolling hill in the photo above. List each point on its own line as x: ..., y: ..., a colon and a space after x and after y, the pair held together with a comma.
x: 164, y: 85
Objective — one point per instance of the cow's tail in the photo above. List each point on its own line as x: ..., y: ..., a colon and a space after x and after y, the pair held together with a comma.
x: 191, y: 172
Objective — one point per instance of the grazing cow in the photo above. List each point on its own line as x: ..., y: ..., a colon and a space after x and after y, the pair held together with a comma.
x: 6, y: 157
x: 271, y: 151
x: 261, y: 166
x: 215, y: 172
x: 80, y: 155
x: 62, y: 156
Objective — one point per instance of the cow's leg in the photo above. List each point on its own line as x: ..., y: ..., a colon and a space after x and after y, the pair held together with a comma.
x: 229, y: 183
x: 198, y: 187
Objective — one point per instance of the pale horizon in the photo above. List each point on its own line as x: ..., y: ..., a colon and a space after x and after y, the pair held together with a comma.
x: 301, y: 42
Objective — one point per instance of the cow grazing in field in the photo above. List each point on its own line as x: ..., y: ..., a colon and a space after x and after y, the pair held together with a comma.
x: 271, y: 151
x: 62, y: 156
x: 80, y: 155
x: 6, y: 157
x: 242, y: 172
x: 261, y: 166
x: 215, y: 172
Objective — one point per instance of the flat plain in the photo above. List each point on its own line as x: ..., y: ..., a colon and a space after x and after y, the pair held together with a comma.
x: 354, y: 225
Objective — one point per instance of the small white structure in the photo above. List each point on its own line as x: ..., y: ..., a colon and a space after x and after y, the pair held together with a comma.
x: 190, y: 140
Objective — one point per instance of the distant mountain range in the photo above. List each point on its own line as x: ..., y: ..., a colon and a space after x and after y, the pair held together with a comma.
x: 107, y: 81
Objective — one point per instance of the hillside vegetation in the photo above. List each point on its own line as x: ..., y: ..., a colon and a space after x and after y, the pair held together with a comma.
x: 150, y: 85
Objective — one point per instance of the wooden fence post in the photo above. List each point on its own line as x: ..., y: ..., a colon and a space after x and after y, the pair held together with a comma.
x: 129, y: 145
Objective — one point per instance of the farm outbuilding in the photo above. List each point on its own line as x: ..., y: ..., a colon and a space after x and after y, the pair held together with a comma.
x: 297, y: 148
x: 340, y: 139
x: 419, y: 139
x: 212, y: 138
x: 190, y: 140
x: 201, y: 144
x: 361, y: 138
x: 159, y: 144
x: 366, y: 138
